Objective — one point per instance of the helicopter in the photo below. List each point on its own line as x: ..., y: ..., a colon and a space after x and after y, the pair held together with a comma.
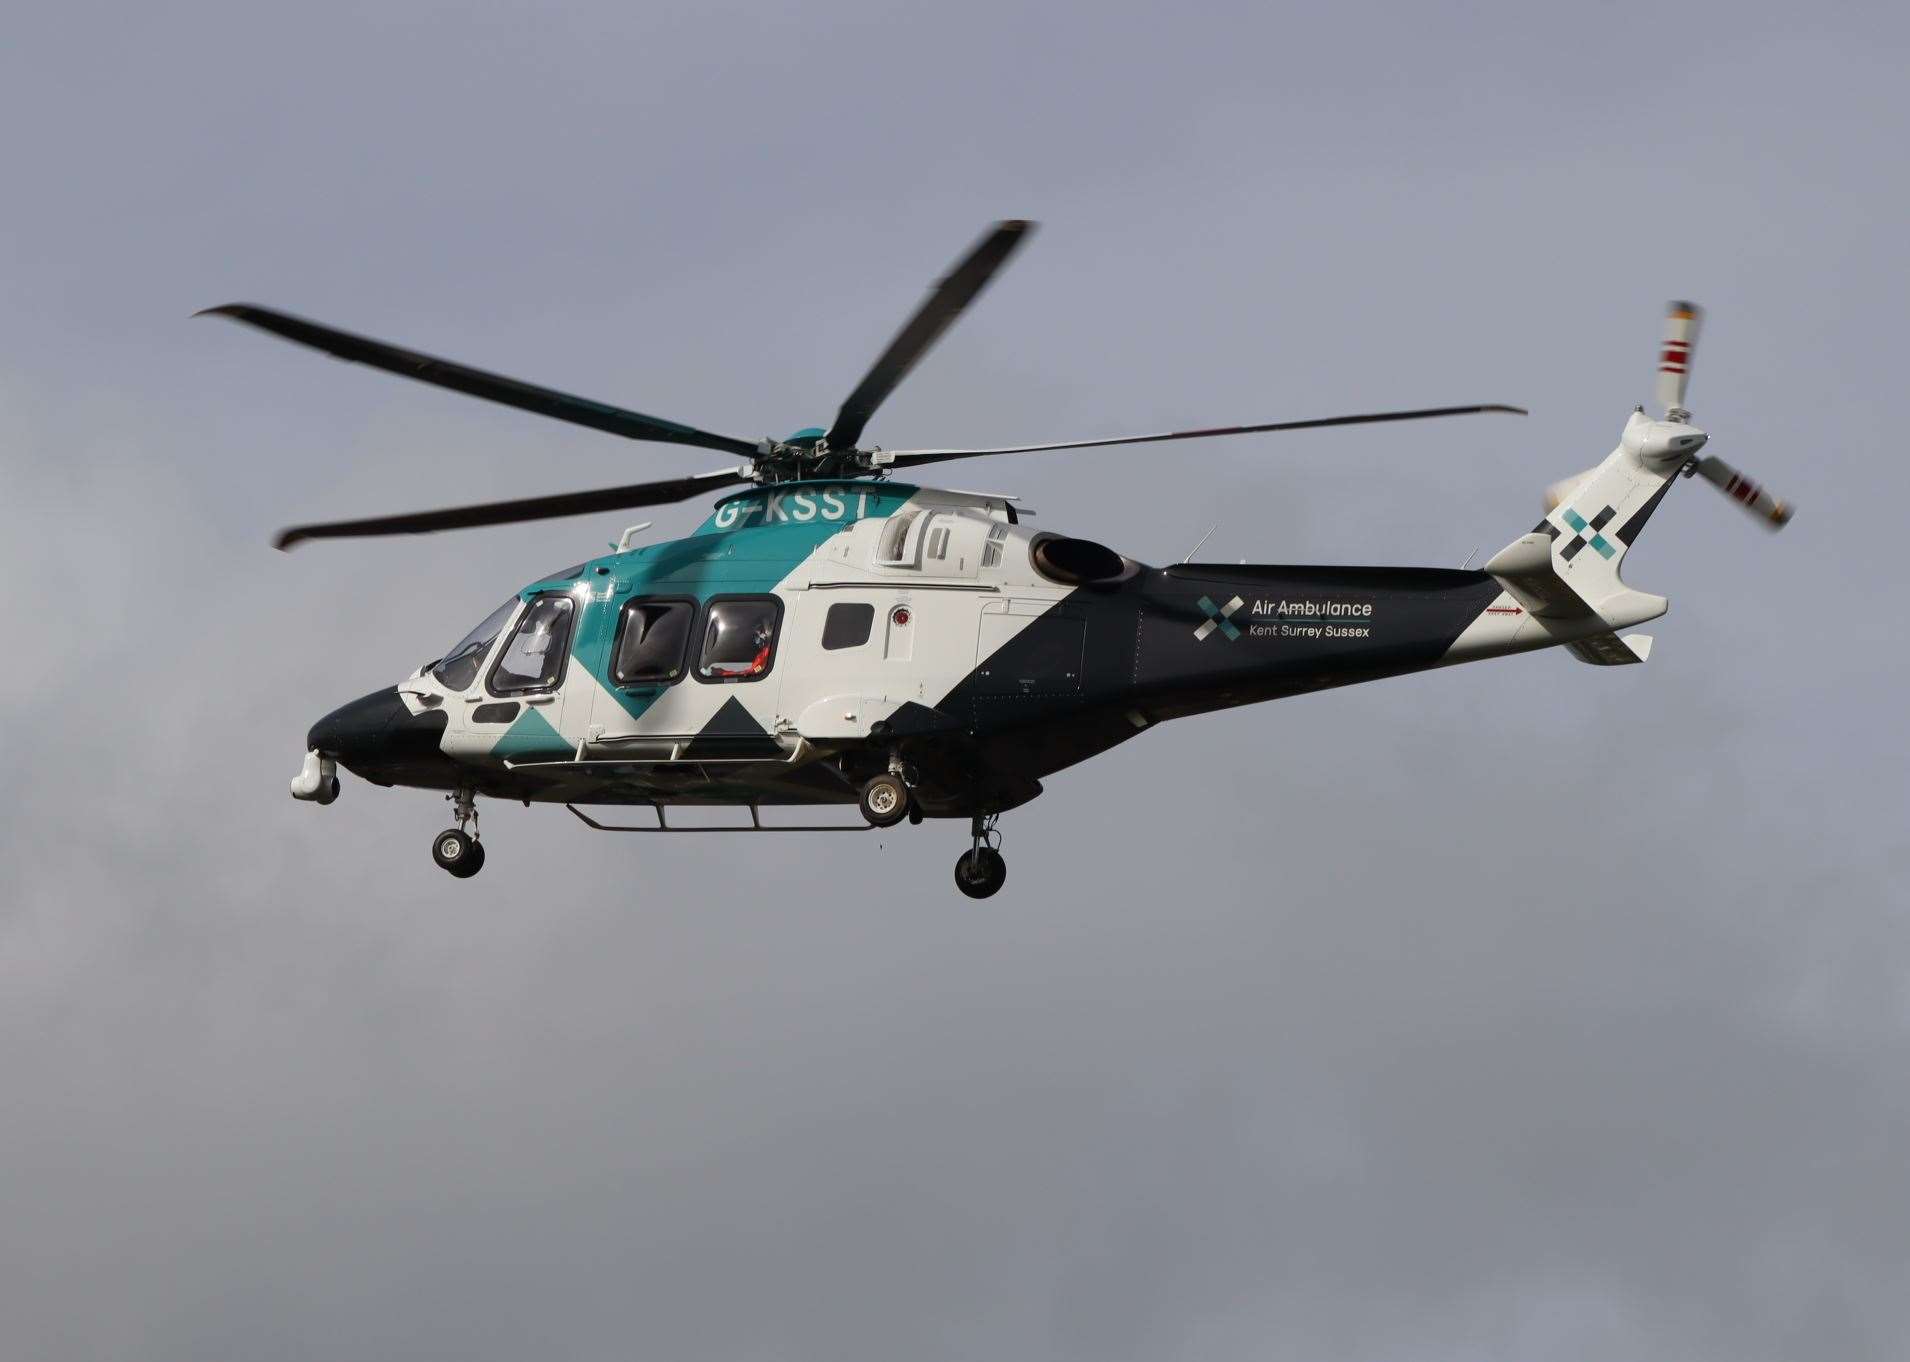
x: 832, y: 634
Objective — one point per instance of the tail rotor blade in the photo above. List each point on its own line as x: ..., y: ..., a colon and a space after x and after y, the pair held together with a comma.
x: 1682, y: 321
x: 1774, y: 512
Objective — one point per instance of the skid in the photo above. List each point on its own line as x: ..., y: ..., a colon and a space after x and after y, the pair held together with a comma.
x: 755, y: 824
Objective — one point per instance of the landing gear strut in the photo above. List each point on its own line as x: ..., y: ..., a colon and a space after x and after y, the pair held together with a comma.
x: 454, y: 849
x: 981, y: 871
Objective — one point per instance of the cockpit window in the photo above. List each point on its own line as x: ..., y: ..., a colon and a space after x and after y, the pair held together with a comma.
x: 739, y: 639
x: 655, y: 636
x: 457, y: 669
x: 533, y: 659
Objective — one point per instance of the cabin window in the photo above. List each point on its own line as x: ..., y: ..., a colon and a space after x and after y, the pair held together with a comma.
x: 848, y: 624
x: 457, y: 669
x: 652, y: 641
x: 739, y: 638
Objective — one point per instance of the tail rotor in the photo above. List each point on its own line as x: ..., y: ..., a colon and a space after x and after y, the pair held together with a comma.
x: 1682, y: 323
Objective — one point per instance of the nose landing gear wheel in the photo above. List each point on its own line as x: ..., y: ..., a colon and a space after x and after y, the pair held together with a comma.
x: 885, y: 800
x: 979, y: 873
x: 458, y: 852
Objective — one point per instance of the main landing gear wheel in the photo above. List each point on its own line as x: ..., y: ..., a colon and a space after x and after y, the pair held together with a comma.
x: 458, y: 852
x: 979, y: 873
x: 981, y: 870
x: 885, y: 800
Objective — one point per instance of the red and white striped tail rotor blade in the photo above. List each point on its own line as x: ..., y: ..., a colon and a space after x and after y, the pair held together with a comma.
x: 1682, y: 320
x: 1751, y: 495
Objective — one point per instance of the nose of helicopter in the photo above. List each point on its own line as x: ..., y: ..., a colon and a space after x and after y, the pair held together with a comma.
x: 377, y: 737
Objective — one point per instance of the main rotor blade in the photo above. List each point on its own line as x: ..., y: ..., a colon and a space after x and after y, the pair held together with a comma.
x: 510, y: 512
x: 943, y: 305
x: 461, y: 378
x: 908, y: 458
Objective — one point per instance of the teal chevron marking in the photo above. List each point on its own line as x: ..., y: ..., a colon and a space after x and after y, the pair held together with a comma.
x: 531, y: 736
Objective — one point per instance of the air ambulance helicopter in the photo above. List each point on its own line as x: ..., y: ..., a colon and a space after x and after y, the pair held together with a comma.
x: 832, y: 634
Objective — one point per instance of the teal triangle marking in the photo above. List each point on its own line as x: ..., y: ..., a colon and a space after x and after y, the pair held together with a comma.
x: 531, y: 736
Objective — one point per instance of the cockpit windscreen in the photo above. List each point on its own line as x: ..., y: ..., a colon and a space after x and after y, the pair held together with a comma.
x: 457, y: 669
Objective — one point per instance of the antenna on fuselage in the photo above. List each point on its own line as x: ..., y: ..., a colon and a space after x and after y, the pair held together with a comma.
x: 1203, y: 540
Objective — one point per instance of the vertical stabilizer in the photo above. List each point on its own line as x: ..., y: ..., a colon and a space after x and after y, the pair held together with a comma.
x: 1568, y: 567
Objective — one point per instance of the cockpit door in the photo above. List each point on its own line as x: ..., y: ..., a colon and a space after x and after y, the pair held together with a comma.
x: 520, y: 697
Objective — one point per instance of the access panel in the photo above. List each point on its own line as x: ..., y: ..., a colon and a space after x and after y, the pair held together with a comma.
x: 1029, y: 647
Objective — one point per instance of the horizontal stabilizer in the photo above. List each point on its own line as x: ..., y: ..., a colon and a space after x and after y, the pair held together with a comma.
x: 1609, y: 650
x: 1525, y: 569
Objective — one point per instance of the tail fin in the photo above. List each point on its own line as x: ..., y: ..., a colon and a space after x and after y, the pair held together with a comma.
x: 1566, y: 572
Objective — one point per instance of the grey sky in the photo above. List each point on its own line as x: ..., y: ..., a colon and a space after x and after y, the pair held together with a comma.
x: 1523, y: 1011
